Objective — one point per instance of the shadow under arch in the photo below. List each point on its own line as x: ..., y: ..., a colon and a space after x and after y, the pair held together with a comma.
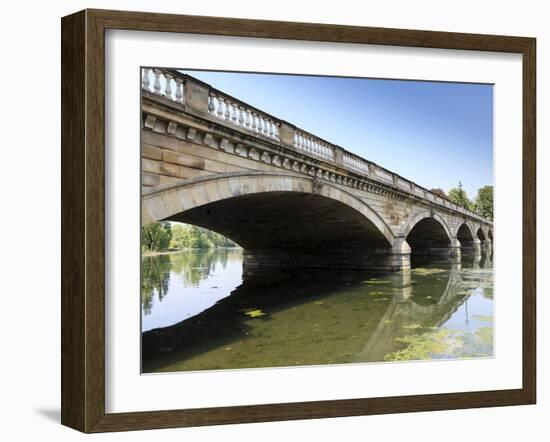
x: 279, y: 219
x: 465, y: 236
x: 427, y: 233
x: 480, y: 234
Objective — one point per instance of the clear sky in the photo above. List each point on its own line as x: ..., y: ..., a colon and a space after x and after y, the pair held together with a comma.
x: 433, y: 133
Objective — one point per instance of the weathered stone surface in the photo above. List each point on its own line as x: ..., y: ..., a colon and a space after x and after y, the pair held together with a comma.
x: 150, y: 180
x: 151, y: 152
x: 183, y: 160
x: 287, y: 134
x: 196, y: 97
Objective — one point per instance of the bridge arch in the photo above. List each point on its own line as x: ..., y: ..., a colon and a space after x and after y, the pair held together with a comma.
x: 424, y: 215
x: 465, y: 235
x: 427, y: 233
x: 480, y: 234
x: 273, y: 214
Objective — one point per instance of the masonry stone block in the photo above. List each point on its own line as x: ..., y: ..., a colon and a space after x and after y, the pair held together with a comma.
x: 287, y: 133
x: 196, y: 97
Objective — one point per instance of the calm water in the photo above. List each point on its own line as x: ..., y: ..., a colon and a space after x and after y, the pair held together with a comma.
x: 199, y: 314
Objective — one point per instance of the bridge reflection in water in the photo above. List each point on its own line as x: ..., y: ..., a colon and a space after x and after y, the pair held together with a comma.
x: 207, y: 317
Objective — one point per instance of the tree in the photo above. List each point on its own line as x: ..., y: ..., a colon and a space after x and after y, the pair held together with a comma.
x: 188, y: 236
x: 484, y: 202
x: 458, y: 196
x: 439, y: 191
x: 180, y: 237
x: 156, y: 237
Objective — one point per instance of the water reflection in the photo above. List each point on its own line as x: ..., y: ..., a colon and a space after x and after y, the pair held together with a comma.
x: 194, y: 280
x: 437, y: 310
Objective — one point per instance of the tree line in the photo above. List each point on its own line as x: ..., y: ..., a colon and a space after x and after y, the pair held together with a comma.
x: 166, y: 236
x: 481, y: 204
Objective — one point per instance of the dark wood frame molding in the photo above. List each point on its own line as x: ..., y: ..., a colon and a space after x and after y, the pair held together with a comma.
x: 83, y: 216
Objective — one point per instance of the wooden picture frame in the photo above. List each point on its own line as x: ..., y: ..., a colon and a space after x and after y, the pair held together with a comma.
x: 83, y: 220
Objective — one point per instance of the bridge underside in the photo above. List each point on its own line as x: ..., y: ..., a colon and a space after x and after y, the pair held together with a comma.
x: 428, y: 237
x: 291, y: 229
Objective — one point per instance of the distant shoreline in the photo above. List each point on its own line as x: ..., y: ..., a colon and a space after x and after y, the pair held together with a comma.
x: 172, y: 252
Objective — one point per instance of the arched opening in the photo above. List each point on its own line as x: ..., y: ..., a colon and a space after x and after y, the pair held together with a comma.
x: 280, y: 221
x: 292, y: 230
x: 429, y: 237
x: 465, y: 237
x: 480, y: 234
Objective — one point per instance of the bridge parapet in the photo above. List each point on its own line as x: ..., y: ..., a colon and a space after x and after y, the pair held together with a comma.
x: 190, y: 95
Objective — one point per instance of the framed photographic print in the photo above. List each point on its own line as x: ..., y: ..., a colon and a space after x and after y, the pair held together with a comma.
x: 269, y: 220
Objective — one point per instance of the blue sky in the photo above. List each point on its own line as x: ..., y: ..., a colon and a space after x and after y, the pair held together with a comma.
x: 433, y: 133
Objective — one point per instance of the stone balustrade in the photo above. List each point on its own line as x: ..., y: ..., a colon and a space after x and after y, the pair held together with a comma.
x: 201, y: 99
x: 311, y: 145
x: 229, y: 110
x: 163, y: 83
x: 356, y: 163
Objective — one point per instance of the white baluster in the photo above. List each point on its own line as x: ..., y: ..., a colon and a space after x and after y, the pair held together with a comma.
x: 145, y: 81
x: 234, y: 111
x: 241, y: 116
x: 179, y: 90
x: 156, y: 85
x: 247, y: 118
x: 265, y: 130
x: 168, y: 87
x: 220, y: 107
x: 260, y: 124
x: 254, y: 121
x: 271, y: 131
x: 227, y: 114
x: 211, y: 104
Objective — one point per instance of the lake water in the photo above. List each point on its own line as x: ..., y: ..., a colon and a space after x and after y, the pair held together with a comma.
x: 198, y: 313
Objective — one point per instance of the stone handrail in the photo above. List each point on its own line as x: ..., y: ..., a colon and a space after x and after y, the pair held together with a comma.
x: 164, y: 83
x: 235, y: 112
x: 188, y: 91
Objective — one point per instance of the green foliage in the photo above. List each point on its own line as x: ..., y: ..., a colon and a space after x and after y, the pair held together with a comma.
x: 156, y: 237
x: 192, y: 266
x: 458, y: 196
x: 444, y: 344
x: 162, y: 236
x: 189, y: 236
x: 155, y: 278
x: 439, y: 191
x: 484, y: 202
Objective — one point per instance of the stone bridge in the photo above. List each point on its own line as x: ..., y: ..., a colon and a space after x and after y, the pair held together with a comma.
x: 288, y: 197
